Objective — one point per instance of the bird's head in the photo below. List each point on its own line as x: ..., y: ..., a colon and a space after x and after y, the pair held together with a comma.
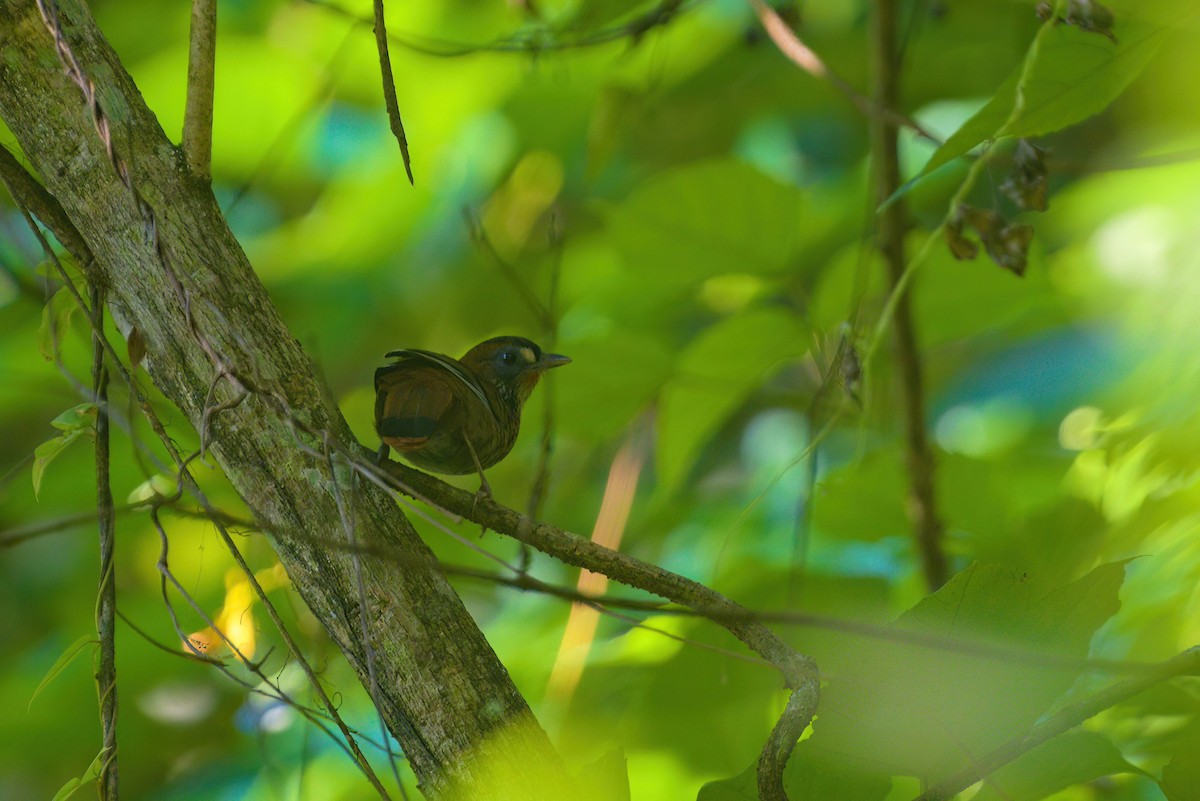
x: 513, y: 364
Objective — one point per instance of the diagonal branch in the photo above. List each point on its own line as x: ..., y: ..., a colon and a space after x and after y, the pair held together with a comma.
x: 799, y: 672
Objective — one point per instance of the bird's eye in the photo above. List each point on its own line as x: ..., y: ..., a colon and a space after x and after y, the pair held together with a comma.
x: 508, y: 357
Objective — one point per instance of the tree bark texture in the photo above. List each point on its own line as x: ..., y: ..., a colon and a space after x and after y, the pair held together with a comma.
x: 161, y: 247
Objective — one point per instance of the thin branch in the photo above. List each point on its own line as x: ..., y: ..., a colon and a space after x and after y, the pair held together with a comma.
x: 106, y: 602
x: 582, y: 552
x: 528, y: 43
x: 198, y: 115
x: 806, y: 59
x: 892, y: 226
x: 389, y: 87
x: 1185, y: 664
x: 799, y: 672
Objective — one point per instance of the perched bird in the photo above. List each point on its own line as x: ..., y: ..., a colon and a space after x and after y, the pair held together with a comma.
x: 457, y: 416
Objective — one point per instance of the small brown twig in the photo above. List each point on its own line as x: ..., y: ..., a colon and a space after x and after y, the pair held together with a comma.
x: 806, y: 59
x: 389, y: 88
x: 201, y: 81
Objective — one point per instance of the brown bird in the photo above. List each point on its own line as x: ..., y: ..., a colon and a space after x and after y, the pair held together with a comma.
x: 457, y: 416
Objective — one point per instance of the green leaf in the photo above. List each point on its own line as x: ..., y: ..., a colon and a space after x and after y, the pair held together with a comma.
x: 707, y: 219
x: 60, y: 664
x: 77, y: 418
x: 90, y: 776
x: 68, y: 789
x: 157, y: 486
x: 1000, y: 632
x: 47, y: 452
x: 56, y: 317
x: 1181, y: 776
x: 75, y: 421
x: 607, y: 779
x: 1076, y: 75
x: 742, y: 787
x: 715, y: 374
x: 1069, y: 759
x: 625, y: 368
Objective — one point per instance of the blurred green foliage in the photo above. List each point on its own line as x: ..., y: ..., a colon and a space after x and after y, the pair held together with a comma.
x: 694, y: 213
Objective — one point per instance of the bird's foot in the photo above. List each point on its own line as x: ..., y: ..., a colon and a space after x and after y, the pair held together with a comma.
x: 483, y: 493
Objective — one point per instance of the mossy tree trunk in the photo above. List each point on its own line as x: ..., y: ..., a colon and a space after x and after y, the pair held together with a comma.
x: 161, y: 239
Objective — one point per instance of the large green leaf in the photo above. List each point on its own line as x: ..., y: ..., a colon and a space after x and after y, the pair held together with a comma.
x: 710, y: 218
x: 1075, y: 75
x: 1072, y: 758
x: 998, y: 638
x: 1181, y: 776
x: 715, y: 374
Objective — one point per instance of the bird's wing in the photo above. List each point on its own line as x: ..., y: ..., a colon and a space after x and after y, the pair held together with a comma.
x: 410, y: 401
x: 441, y: 362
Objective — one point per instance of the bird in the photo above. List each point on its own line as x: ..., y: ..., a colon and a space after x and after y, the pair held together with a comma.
x: 457, y: 416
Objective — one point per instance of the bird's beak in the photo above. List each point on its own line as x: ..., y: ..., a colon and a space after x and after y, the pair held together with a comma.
x: 549, y: 360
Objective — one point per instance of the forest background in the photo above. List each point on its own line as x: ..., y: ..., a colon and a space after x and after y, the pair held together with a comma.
x: 883, y: 325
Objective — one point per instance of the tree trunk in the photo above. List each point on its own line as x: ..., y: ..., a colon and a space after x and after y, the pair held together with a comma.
x: 161, y: 239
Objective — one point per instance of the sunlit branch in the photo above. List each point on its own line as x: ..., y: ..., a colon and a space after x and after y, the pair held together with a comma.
x: 609, y: 528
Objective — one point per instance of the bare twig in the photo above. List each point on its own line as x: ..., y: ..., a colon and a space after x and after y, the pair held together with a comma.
x: 389, y: 87
x: 528, y: 43
x: 799, y: 672
x: 106, y: 602
x: 1185, y: 664
x: 892, y: 225
x: 198, y: 115
x: 806, y: 59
